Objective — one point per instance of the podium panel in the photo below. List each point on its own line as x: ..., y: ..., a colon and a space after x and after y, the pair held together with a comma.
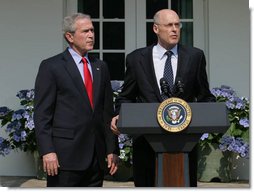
x: 140, y: 118
x: 172, y: 165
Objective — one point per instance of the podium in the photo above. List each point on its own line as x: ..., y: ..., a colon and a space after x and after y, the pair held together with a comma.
x: 172, y: 165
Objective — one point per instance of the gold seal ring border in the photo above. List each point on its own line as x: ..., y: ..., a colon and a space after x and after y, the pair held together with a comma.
x: 184, y: 124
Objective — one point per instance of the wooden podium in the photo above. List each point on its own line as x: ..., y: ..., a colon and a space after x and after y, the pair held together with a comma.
x: 172, y: 165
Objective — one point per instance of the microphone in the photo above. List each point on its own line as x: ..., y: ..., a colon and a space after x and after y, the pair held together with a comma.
x: 179, y: 87
x: 165, y: 87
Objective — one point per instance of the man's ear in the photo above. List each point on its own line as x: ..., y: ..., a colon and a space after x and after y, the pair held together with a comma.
x: 69, y: 37
x: 155, y: 28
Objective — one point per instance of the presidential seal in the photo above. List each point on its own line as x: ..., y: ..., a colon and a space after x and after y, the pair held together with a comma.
x: 174, y: 114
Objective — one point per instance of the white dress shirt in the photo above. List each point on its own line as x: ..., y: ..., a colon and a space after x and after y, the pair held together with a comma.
x: 159, y: 59
x: 78, y: 60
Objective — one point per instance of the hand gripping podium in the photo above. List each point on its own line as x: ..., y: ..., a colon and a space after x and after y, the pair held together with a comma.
x: 172, y: 165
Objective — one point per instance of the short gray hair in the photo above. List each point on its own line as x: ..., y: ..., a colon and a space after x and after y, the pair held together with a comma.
x: 69, y: 22
x: 156, y: 17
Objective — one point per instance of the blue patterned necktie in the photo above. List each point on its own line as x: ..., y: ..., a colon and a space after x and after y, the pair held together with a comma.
x: 168, y: 71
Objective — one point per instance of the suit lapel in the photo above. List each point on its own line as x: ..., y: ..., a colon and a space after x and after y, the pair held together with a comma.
x: 74, y: 73
x: 183, y: 59
x: 148, y: 67
x: 96, y: 69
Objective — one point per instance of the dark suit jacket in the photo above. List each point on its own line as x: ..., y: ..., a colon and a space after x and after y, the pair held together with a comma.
x: 140, y: 84
x: 65, y: 123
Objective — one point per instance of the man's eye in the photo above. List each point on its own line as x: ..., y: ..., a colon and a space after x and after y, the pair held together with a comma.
x: 92, y: 30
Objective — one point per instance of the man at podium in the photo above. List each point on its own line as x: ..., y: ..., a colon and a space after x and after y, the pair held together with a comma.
x: 149, y: 79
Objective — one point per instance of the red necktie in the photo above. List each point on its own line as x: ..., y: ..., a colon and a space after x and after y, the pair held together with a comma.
x: 88, y: 81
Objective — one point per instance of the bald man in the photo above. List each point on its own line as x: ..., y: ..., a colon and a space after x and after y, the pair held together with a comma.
x: 145, y: 68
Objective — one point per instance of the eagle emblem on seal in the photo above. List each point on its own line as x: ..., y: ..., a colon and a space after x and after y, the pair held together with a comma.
x: 174, y: 115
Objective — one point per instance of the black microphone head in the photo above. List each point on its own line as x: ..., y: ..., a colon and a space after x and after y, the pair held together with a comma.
x: 163, y: 81
x: 179, y: 80
x: 179, y: 85
x: 165, y: 87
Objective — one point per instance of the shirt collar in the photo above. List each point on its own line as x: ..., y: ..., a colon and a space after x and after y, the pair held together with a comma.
x: 161, y: 50
x: 174, y: 50
x: 77, y: 58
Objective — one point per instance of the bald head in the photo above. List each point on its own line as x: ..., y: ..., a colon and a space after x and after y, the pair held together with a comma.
x: 165, y: 15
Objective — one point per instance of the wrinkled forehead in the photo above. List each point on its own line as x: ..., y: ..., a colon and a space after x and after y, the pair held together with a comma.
x: 84, y: 22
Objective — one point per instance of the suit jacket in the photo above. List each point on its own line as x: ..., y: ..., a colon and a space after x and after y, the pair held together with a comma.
x: 65, y: 123
x: 140, y: 84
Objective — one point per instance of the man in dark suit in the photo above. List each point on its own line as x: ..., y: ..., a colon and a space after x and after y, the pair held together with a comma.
x: 72, y: 122
x: 145, y: 68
